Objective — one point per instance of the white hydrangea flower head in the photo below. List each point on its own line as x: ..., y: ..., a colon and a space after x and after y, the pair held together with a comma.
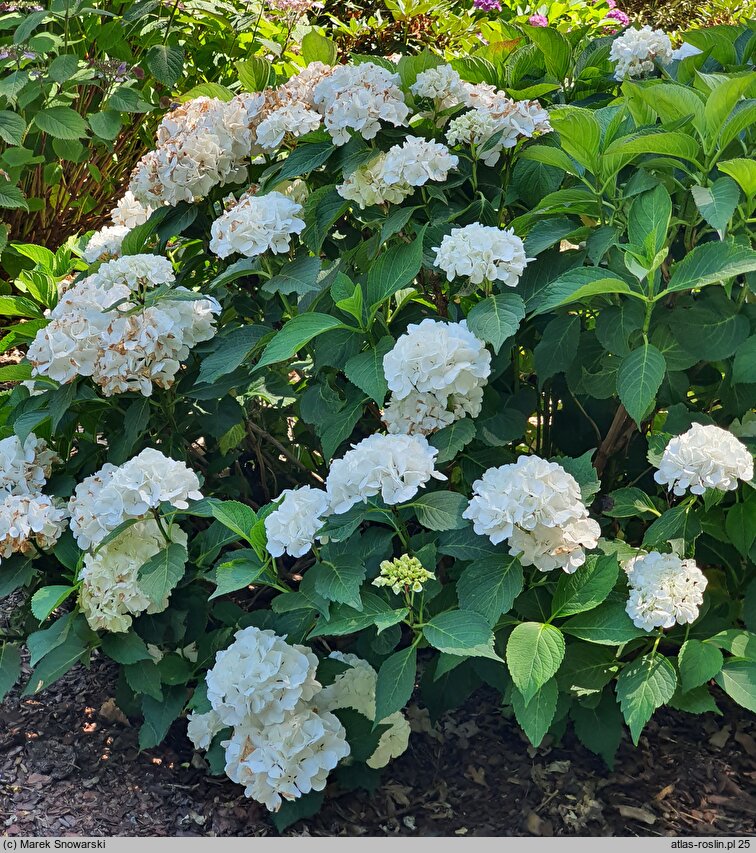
x: 355, y: 688
x: 482, y: 253
x: 129, y: 212
x: 425, y: 413
x: 284, y: 760
x: 524, y: 494
x: 95, y: 331
x: 201, y: 144
x: 257, y: 224
x: 105, y: 243
x: 493, y: 113
x: 359, y: 98
x: 291, y: 528
x: 664, y: 590
x: 549, y: 548
x: 260, y: 678
x: 110, y: 593
x: 293, y: 118
x: 300, y: 89
x: 704, y: 457
x: 392, y: 466
x: 202, y: 728
x: 29, y: 522
x: 636, y: 50
x: 417, y: 161
x: 442, y: 85
x: 367, y: 185
x: 437, y: 357
x: 684, y: 51
x: 115, y: 494
x: 25, y: 467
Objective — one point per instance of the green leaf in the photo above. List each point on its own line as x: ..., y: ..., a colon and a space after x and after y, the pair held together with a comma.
x: 56, y: 664
x: 695, y: 701
x: 317, y: 48
x: 671, y: 143
x: 680, y: 522
x: 711, y: 263
x: 461, y: 632
x: 231, y: 351
x: 639, y: 378
x: 14, y: 574
x: 105, y: 124
x: 574, y: 285
x: 581, y: 468
x: 496, y: 318
x: 586, y: 668
x: 61, y: 123
x: 490, y: 586
x: 12, y: 127
x: 295, y: 334
x: 649, y: 218
x: 557, y: 54
x: 586, y: 588
x: 744, y: 172
x: 607, y: 625
x: 12, y: 198
x: 440, y: 510
x: 465, y: 544
x: 451, y: 439
x: 558, y: 346
x: 166, y: 63
x: 299, y: 277
x: 236, y: 516
x: 237, y: 570
x: 321, y: 210
x: 600, y: 728
x: 18, y: 306
x: 340, y: 579
x: 158, y: 716
x: 144, y: 677
x: 643, y: 686
x: 630, y: 503
x: 41, y: 642
x: 46, y: 599
x: 10, y: 667
x: 396, y: 681
x: 302, y: 808
x: 365, y: 370
x: 698, y: 662
x: 394, y: 270
x: 208, y: 90
x: 125, y: 648
x: 535, y: 715
x: 160, y: 574
x: 63, y: 67
x: 738, y: 680
x: 744, y: 364
x: 711, y: 331
x: 717, y: 203
x: 347, y: 620
x: 740, y: 525
x: 300, y: 162
x: 534, y: 652
x: 254, y: 73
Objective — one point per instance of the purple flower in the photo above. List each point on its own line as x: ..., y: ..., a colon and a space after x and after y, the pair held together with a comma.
x: 619, y: 15
x: 487, y: 5
x: 612, y: 4
x: 538, y: 21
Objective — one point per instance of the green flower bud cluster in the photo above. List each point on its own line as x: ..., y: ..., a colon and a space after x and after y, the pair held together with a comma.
x: 403, y: 573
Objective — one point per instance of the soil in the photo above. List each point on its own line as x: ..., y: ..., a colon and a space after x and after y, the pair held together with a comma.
x: 70, y: 765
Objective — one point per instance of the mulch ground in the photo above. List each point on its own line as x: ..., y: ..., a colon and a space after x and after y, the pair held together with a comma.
x: 70, y: 765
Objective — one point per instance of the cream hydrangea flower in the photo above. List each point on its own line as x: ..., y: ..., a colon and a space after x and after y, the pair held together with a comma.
x: 367, y: 185
x: 355, y: 688
x: 110, y: 592
x: 284, y: 760
x: 105, y: 243
x: 427, y: 412
x: 536, y: 506
x: 24, y: 468
x: 438, y: 357
x: 636, y: 50
x: 664, y: 590
x: 116, y: 494
x: 260, y: 677
x: 29, y: 522
x: 359, y: 97
x: 257, y: 224
x: 392, y: 466
x: 291, y: 528
x: 704, y: 457
x: 129, y: 212
x: 482, y: 253
x: 442, y: 85
x: 202, y: 728
x: 292, y: 118
x: 417, y: 161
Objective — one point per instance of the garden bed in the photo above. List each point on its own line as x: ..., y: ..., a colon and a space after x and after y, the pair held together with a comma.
x: 68, y: 766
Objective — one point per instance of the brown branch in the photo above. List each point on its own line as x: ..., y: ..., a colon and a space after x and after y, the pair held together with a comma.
x: 619, y: 432
x: 284, y: 452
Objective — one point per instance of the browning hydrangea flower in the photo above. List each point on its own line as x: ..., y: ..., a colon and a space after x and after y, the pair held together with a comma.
x: 255, y: 225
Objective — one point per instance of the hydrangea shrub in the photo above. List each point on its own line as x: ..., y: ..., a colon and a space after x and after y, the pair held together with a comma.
x: 400, y: 384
